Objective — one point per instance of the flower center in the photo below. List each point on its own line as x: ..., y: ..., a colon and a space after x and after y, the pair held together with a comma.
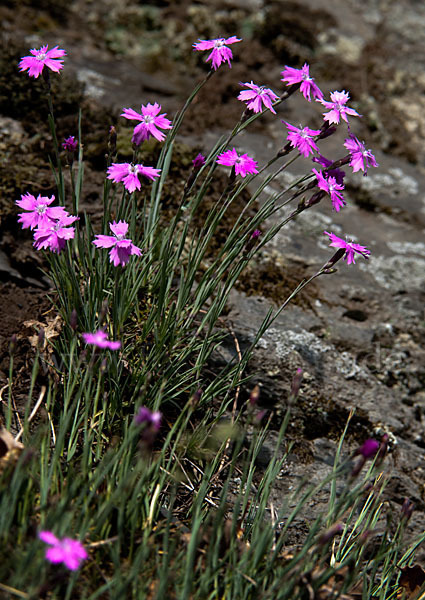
x: 41, y: 209
x: 41, y: 56
x: 148, y: 119
x: 219, y: 43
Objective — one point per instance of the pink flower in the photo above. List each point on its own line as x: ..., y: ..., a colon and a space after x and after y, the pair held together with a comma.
x: 100, y: 340
x: 302, y: 139
x: 150, y: 121
x: 369, y: 448
x: 331, y: 187
x: 360, y: 157
x: 198, y: 161
x: 70, y: 144
x: 325, y: 162
x: 67, y: 551
x: 307, y: 87
x: 40, y: 213
x: 121, y: 248
x: 220, y: 51
x: 337, y: 108
x: 350, y: 248
x: 129, y: 174
x: 152, y: 419
x: 55, y: 234
x: 256, y: 96
x: 39, y: 58
x: 243, y: 164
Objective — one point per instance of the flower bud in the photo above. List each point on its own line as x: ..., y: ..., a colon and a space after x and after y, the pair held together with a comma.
x: 112, y: 141
x: 251, y: 241
x: 196, y: 398
x: 407, y: 509
x: 296, y: 384
x: 70, y: 145
x: 73, y: 320
x: 333, y: 260
x: 329, y: 534
x: 103, y: 366
x: 198, y: 161
x: 326, y: 131
x: 254, y: 396
x: 13, y: 344
x: 368, y: 449
x: 383, y: 448
x: 41, y: 339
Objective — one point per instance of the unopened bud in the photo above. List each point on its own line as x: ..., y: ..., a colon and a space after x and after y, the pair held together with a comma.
x: 112, y: 142
x: 41, y: 339
x: 383, y: 448
x: 326, y: 131
x: 103, y: 311
x: 296, y: 384
x: 368, y: 449
x: 252, y: 240
x: 103, y: 366
x: 254, y: 396
x: 260, y: 416
x: 198, y: 161
x: 196, y: 398
x: 70, y: 145
x: 73, y: 320
x: 283, y: 151
x: 329, y: 534
x: 13, y: 344
x: 328, y: 268
x: 364, y: 536
x: 407, y: 509
x: 315, y: 199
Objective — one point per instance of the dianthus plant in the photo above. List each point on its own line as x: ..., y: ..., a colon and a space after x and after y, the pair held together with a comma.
x: 141, y: 324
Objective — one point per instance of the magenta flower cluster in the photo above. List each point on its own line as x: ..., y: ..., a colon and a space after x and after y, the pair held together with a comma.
x: 35, y: 63
x: 360, y: 158
x: 149, y: 418
x: 369, y: 448
x: 257, y: 97
x: 129, y: 174
x: 150, y: 123
x: 52, y: 224
x: 198, y: 161
x: 67, y: 551
x: 220, y: 52
x: 351, y: 249
x: 243, y: 164
x: 100, y: 340
x: 70, y: 144
x: 302, y: 77
x: 121, y: 246
x: 329, y: 185
x: 337, y: 108
x: 303, y: 139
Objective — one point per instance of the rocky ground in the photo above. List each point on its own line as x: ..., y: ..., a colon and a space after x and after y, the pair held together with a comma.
x: 358, y: 334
